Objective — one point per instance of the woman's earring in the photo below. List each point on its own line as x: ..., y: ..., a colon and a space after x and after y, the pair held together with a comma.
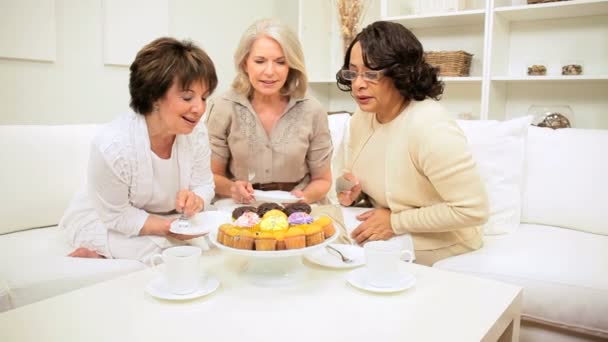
x: 155, y: 108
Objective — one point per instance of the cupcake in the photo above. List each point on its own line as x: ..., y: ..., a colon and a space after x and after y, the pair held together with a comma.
x: 231, y: 237
x: 274, y: 212
x: 236, y: 213
x: 274, y: 223
x: 265, y: 241
x: 247, y: 220
x: 280, y: 236
x: 295, y: 238
x: 299, y: 217
x: 266, y: 207
x: 327, y: 225
x: 221, y: 232
x: 296, y: 207
x: 246, y: 239
x: 314, y: 234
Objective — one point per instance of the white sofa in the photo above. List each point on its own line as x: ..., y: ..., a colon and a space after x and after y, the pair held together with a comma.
x: 559, y: 252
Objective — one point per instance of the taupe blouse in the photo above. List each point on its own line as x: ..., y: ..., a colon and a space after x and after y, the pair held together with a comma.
x: 298, y: 147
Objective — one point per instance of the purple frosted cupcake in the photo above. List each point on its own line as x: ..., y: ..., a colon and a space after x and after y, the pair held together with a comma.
x: 299, y: 218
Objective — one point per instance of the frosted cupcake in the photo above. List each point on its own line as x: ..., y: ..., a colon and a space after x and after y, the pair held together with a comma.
x: 221, y: 232
x: 265, y: 241
x: 247, y: 220
x: 298, y: 218
x: 327, y: 225
x: 295, y: 238
x: 314, y: 235
x: 231, y: 237
x: 246, y: 240
x: 274, y: 212
x: 280, y: 236
x: 274, y: 223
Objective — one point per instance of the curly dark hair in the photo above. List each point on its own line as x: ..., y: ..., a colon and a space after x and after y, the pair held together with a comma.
x: 396, y: 50
x: 162, y: 62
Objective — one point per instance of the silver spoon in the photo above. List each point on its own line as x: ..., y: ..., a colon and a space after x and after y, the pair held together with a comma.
x: 342, y: 256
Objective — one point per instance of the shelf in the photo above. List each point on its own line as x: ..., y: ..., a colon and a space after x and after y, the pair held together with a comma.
x: 554, y: 10
x: 602, y: 78
x: 459, y: 18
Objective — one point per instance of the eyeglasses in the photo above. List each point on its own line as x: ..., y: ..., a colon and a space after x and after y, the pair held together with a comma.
x: 370, y: 75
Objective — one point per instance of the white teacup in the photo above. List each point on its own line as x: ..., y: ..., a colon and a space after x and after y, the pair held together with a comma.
x: 182, y: 268
x: 383, y: 259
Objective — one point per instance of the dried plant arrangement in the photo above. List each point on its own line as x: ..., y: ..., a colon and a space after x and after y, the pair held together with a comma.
x: 350, y: 15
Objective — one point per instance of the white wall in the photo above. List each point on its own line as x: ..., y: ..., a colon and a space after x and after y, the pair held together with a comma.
x: 78, y: 88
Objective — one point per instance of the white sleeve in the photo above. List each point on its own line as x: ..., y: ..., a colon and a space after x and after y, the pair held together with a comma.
x: 108, y: 189
x: 202, y: 178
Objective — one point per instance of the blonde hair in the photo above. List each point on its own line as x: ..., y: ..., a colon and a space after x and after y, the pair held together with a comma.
x: 297, y: 81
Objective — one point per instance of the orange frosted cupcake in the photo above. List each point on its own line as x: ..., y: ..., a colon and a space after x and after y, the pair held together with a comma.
x: 327, y: 225
x: 231, y: 237
x: 245, y: 240
x: 265, y: 241
x: 295, y: 238
x: 221, y: 232
x: 314, y: 234
x: 280, y: 236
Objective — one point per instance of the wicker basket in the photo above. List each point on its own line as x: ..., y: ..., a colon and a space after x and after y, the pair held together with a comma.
x: 450, y: 63
x: 542, y: 1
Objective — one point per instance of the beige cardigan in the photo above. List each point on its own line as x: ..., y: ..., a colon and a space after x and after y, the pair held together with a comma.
x: 433, y: 187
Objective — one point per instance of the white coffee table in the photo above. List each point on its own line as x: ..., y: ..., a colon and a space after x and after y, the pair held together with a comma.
x: 443, y: 306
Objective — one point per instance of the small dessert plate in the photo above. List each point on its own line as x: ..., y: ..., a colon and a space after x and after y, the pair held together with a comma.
x: 158, y: 288
x: 202, y: 223
x: 276, y: 196
x: 359, y: 279
x: 329, y: 259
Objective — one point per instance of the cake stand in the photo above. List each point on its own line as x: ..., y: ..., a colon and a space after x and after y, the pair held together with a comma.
x: 274, y: 268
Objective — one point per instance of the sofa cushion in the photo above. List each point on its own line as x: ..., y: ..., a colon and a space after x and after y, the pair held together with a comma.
x: 498, y: 149
x: 35, y: 266
x: 42, y: 166
x: 563, y: 273
x: 5, y: 300
x: 566, y: 181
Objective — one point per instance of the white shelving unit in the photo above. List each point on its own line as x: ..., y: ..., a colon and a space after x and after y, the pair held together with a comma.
x: 553, y: 34
x: 504, y: 36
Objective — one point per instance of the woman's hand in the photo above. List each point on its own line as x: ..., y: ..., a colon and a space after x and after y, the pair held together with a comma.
x: 188, y: 203
x: 156, y: 225
x: 242, y: 192
x: 299, y: 194
x: 351, y: 189
x: 376, y: 225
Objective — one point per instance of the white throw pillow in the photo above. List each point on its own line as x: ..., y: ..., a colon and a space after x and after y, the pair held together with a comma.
x: 338, y: 127
x: 498, y: 148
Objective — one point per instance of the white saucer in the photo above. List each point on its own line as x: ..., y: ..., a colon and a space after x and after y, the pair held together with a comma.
x: 201, y: 223
x: 276, y: 196
x: 358, y: 278
x: 331, y: 259
x: 158, y: 288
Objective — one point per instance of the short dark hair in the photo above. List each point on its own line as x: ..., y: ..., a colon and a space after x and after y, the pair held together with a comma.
x: 162, y: 62
x: 394, y: 48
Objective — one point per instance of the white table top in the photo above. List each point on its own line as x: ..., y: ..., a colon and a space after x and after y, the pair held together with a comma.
x: 443, y: 306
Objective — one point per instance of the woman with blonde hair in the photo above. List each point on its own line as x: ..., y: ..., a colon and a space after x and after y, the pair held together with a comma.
x: 265, y: 132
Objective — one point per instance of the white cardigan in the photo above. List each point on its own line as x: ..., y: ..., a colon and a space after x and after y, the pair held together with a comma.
x: 120, y: 183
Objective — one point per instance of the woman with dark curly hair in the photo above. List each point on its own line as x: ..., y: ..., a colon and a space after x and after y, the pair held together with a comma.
x: 405, y: 154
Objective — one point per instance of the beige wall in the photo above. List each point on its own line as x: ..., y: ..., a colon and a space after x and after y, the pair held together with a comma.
x: 78, y: 88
